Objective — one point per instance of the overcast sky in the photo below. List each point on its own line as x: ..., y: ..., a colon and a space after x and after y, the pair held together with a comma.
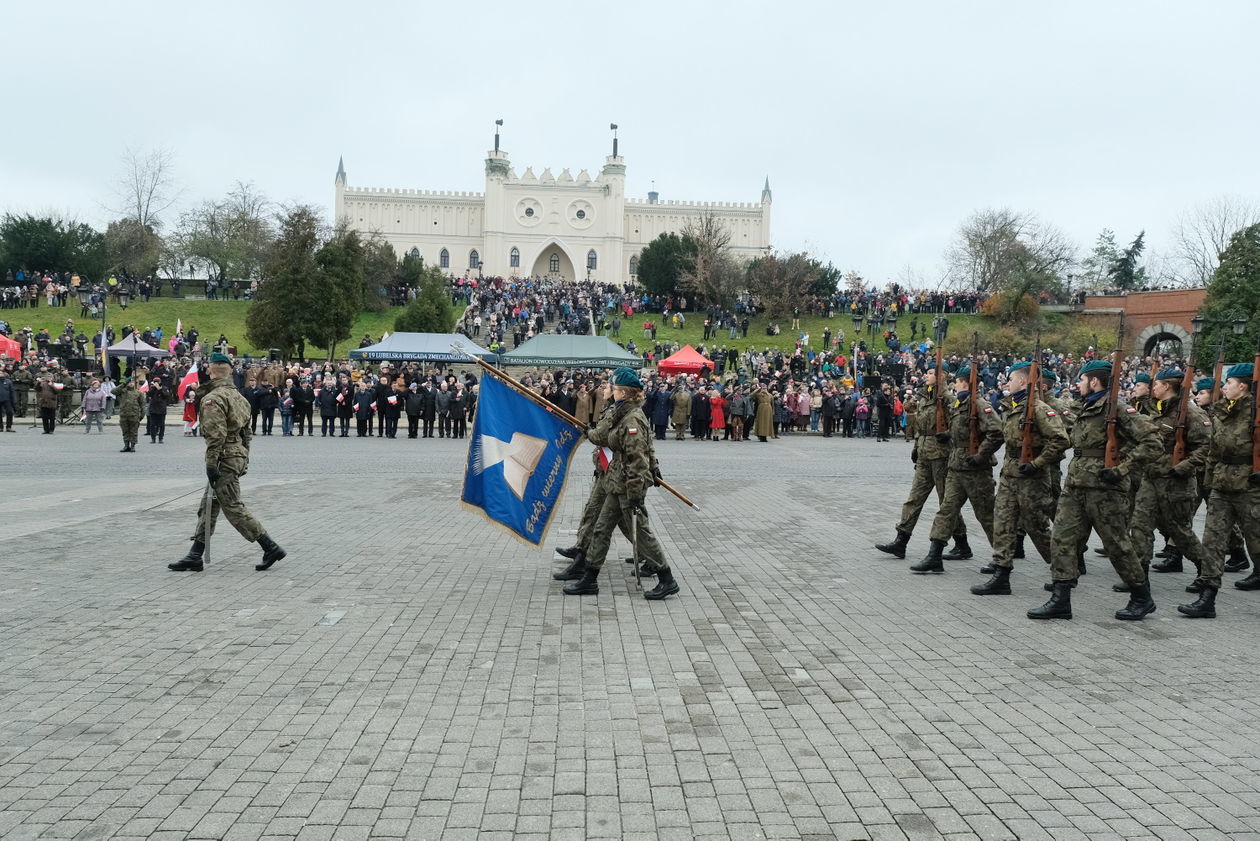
x: 880, y: 125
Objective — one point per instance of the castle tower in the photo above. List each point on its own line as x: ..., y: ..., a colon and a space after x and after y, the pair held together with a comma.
x: 339, y: 182
x: 493, y: 254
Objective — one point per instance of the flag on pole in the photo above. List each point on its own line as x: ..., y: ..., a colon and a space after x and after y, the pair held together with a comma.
x: 518, y: 460
x: 190, y: 378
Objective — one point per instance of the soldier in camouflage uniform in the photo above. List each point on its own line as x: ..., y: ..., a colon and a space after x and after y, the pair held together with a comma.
x: 931, y: 465
x: 628, y: 475
x: 224, y: 416
x: 1170, y: 495
x: 23, y: 382
x: 970, y: 476
x: 1024, y: 494
x: 1235, y: 498
x: 1237, y: 560
x: 130, y: 403
x: 1097, y: 497
x: 651, y: 553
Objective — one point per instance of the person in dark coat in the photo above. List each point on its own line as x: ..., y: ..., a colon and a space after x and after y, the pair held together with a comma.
x: 459, y: 409
x: 303, y: 406
x: 699, y: 413
x: 392, y: 408
x: 661, y: 410
x: 384, y: 387
x: 429, y: 413
x: 344, y: 397
x: 364, y: 405
x: 327, y: 400
x: 414, y: 406
x: 159, y: 399
x: 268, y: 401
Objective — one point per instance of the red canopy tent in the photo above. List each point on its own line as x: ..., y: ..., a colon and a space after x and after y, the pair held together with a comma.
x: 10, y: 348
x: 686, y: 361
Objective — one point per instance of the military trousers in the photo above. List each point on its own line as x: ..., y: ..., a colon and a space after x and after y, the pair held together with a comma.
x: 1022, y: 507
x: 929, y: 475
x: 227, y: 498
x: 974, y: 486
x: 1106, y: 512
x: 1205, y: 493
x: 651, y: 553
x: 1167, y: 504
x: 130, y: 426
x: 615, y: 512
x: 1228, y: 510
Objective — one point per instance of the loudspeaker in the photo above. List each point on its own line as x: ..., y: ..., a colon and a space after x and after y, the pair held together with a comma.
x: 275, y: 354
x: 894, y: 370
x: 873, y: 382
x: 82, y: 366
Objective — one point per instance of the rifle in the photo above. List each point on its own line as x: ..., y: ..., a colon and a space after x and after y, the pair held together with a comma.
x: 1111, y: 455
x: 1027, y: 452
x: 1179, y: 448
x: 973, y: 408
x: 1216, y: 377
x: 1255, y: 416
x: 942, y: 420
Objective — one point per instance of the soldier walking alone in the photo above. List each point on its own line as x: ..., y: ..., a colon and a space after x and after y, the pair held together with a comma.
x: 224, y: 416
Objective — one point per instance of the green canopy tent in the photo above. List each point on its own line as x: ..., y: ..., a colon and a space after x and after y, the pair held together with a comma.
x: 572, y: 352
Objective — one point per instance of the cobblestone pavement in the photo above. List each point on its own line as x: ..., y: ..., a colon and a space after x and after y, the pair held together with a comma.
x: 410, y: 672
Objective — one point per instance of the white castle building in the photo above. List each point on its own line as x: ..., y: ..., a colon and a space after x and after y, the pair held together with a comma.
x: 540, y: 225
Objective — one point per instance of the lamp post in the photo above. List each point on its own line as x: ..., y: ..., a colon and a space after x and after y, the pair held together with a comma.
x: 1237, y: 325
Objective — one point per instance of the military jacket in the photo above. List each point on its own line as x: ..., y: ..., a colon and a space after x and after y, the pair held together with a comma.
x: 923, y: 424
x: 1164, y: 414
x: 960, y: 435
x: 224, y: 416
x: 1229, y: 453
x: 130, y: 402
x: 1050, y: 439
x: 628, y: 437
x: 1066, y: 407
x: 1139, y: 444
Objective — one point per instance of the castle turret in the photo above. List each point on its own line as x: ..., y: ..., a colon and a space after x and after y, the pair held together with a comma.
x: 339, y: 202
x: 765, y: 192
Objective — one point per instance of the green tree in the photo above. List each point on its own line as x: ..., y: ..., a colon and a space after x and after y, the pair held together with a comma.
x: 1233, y: 292
x: 828, y: 280
x: 134, y: 249
x: 337, y: 288
x: 1095, y: 268
x: 380, y: 266
x: 410, y: 271
x: 281, y: 312
x: 662, y: 263
x: 1124, y: 272
x: 38, y: 243
x: 430, y: 312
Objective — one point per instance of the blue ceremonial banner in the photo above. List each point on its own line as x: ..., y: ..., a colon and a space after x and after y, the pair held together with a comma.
x: 517, y: 461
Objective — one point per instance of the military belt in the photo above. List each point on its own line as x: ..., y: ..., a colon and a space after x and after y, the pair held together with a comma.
x: 1091, y: 452
x: 1234, y: 460
x: 1016, y: 452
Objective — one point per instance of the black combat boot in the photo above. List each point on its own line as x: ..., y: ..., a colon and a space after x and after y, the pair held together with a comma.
x: 1125, y: 588
x: 1195, y: 586
x: 574, y: 570
x: 1237, y: 560
x: 960, y: 552
x: 998, y: 585
x: 271, y: 552
x: 1172, y: 562
x: 1102, y: 551
x: 896, y: 548
x: 1166, y: 551
x: 931, y: 563
x: 665, y: 586
x: 192, y: 561
x: 1140, y: 603
x: 570, y: 553
x: 1204, y: 608
x: 1019, y: 549
x: 587, y: 586
x: 989, y: 569
x: 1059, y: 606
x: 1251, y: 582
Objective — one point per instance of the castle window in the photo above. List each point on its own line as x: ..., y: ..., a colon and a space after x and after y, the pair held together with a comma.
x: 415, y: 252
x: 581, y: 214
x: 592, y: 262
x: 444, y: 259
x: 553, y: 264
x: 529, y: 211
x: 634, y: 265
x: 514, y: 259
x: 474, y: 259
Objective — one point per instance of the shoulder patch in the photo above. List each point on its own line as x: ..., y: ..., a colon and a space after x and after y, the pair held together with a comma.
x: 1050, y: 413
x: 1131, y: 410
x: 1207, y: 423
x: 632, y: 430
x: 989, y: 409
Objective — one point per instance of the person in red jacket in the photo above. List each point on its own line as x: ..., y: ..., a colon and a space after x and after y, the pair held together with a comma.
x: 717, y: 413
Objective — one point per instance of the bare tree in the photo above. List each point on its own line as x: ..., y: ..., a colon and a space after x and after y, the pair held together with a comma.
x: 999, y: 250
x: 1201, y: 234
x: 705, y: 274
x: 146, y: 188
x: 230, y: 237
x: 782, y: 281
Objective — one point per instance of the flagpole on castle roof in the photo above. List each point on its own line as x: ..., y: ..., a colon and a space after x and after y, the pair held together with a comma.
x: 547, y: 406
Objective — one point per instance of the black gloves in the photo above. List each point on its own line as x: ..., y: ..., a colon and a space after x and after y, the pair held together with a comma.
x: 976, y: 460
x: 1027, y: 468
x: 1110, y: 475
x: 1254, y: 479
x: 943, y: 437
x: 656, y: 476
x: 914, y: 455
x: 212, y: 473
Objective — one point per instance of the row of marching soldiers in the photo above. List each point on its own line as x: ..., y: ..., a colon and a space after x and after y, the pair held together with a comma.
x: 1146, y: 489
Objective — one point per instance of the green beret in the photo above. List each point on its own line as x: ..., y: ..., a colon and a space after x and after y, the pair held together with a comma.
x: 963, y: 372
x: 217, y: 358
x: 626, y: 378
x: 1096, y: 366
x: 1048, y: 375
x: 1204, y: 384
x: 1241, y: 371
x: 1171, y: 374
x: 1019, y: 366
x: 1143, y: 378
